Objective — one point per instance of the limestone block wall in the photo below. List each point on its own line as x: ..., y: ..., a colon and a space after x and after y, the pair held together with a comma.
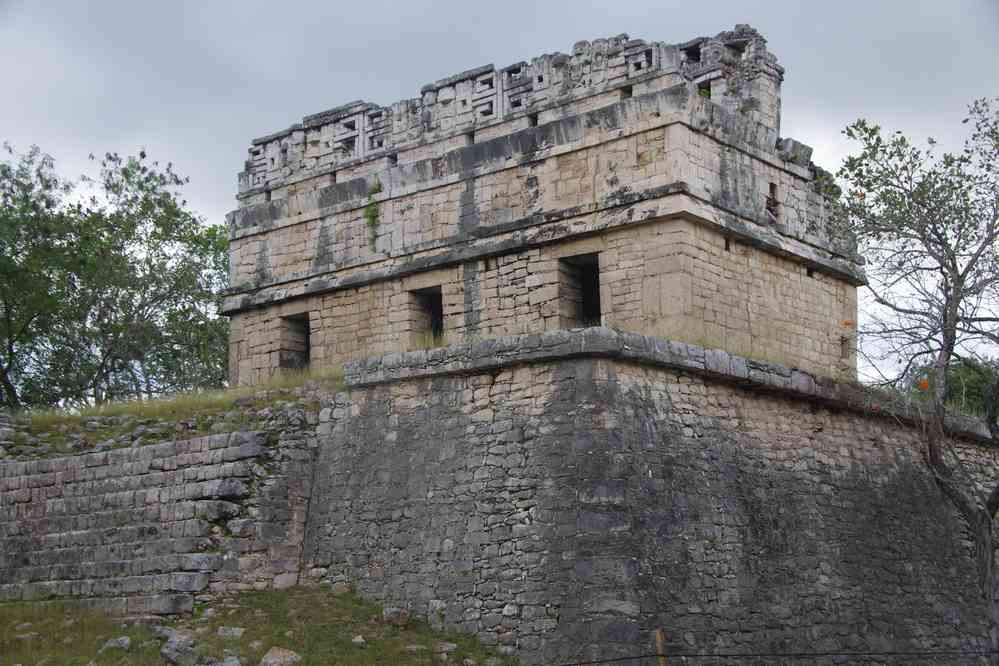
x: 463, y: 222
x: 735, y: 65
x: 564, y: 495
x: 672, y: 278
x: 148, y: 530
x: 506, y: 170
x: 629, y: 151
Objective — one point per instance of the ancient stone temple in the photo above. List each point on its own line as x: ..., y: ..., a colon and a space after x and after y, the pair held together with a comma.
x: 641, y: 186
x: 593, y: 317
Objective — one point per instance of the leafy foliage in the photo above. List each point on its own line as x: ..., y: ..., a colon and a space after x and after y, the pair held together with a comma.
x: 108, y: 287
x: 967, y: 386
x: 929, y: 228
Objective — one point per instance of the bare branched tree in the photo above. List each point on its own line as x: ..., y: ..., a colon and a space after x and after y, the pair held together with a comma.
x: 929, y: 228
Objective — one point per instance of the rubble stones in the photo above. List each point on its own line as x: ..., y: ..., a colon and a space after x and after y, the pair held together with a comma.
x: 277, y: 656
x: 120, y: 643
x: 230, y: 632
x: 178, y: 648
x: 396, y: 616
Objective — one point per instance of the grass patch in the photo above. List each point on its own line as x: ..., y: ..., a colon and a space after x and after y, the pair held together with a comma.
x: 70, y: 636
x: 184, y: 405
x: 319, y: 626
x: 313, y: 622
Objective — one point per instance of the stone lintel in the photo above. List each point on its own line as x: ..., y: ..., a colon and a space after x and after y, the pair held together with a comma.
x: 600, y: 342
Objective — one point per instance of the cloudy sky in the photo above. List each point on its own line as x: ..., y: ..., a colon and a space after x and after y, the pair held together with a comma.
x: 194, y: 81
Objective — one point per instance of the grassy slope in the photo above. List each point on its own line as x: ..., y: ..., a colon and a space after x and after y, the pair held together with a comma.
x: 310, y: 621
x: 71, y: 637
x: 200, y: 411
x: 183, y: 405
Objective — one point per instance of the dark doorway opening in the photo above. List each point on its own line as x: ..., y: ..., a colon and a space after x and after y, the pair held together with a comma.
x: 579, y: 291
x: 428, y: 327
x: 295, y: 344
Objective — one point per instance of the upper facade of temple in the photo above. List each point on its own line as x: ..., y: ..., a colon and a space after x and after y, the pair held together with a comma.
x: 605, y: 173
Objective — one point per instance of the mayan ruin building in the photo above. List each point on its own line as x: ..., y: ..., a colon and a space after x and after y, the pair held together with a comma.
x: 637, y: 185
x: 597, y: 334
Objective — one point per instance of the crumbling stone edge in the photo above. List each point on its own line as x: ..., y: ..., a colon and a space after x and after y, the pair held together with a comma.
x: 602, y: 342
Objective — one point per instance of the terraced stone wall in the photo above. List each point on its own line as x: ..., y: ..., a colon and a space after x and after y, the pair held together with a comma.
x: 561, y: 495
x: 153, y: 528
x: 564, y: 495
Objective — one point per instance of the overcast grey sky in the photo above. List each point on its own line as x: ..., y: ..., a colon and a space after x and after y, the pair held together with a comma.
x: 194, y: 81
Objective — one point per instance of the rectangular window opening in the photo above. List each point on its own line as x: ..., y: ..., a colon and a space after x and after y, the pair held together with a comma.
x: 376, y: 142
x: 427, y: 318
x: 844, y: 347
x: 626, y: 92
x: 728, y: 244
x: 516, y: 103
x: 642, y: 62
x: 541, y: 78
x: 704, y: 89
x: 579, y: 291
x: 350, y: 125
x: 295, y: 348
x: 532, y: 120
x: 470, y: 137
x: 486, y: 110
x: 772, y: 203
x: 809, y: 271
x: 393, y: 159
x: 374, y: 117
x: 693, y: 53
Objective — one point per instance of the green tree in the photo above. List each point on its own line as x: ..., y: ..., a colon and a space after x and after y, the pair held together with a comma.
x: 968, y: 385
x: 109, y: 288
x: 35, y: 263
x: 929, y: 228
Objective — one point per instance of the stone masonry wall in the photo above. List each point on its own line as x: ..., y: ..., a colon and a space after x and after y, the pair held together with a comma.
x: 671, y: 278
x: 635, y: 150
x: 151, y: 529
x: 341, y: 216
x: 567, y: 505
x: 741, y: 73
x: 560, y: 494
